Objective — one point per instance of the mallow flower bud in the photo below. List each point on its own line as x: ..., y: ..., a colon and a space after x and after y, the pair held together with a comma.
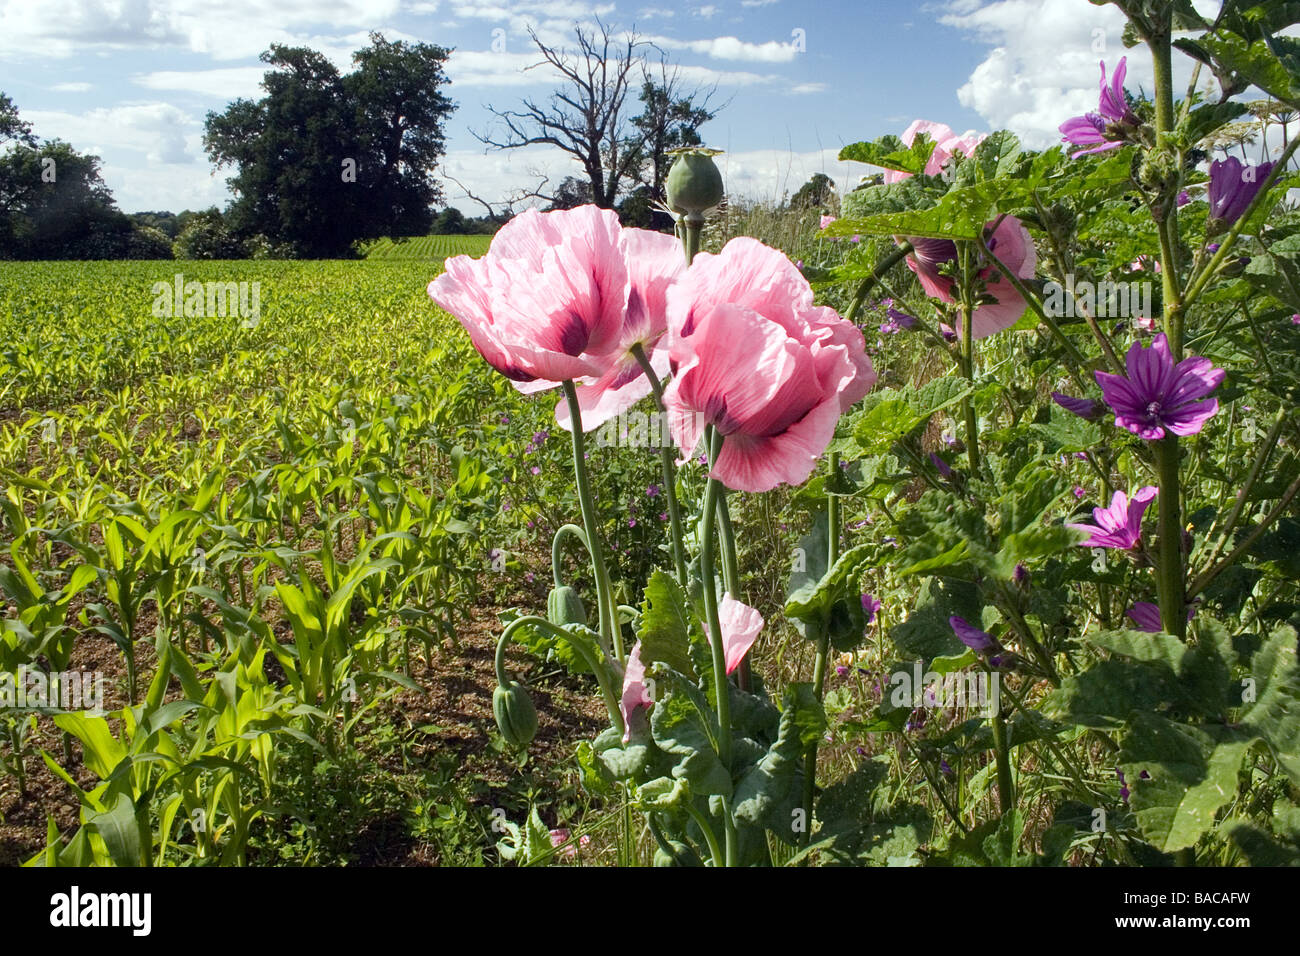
x: 694, y: 183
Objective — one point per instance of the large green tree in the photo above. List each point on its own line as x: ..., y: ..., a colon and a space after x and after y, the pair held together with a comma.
x: 324, y: 159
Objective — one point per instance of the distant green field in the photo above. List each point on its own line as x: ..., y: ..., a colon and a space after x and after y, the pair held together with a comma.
x: 434, y: 248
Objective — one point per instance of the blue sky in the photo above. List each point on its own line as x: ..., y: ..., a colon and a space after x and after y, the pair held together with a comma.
x: 131, y: 80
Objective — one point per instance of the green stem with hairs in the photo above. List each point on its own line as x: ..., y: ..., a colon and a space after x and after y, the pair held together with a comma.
x: 692, y: 231
x: 560, y: 634
x: 1170, y: 582
x: 885, y: 264
x: 669, y: 471
x: 610, y: 632
x: 556, y: 541
x: 713, y: 441
x: 823, y: 651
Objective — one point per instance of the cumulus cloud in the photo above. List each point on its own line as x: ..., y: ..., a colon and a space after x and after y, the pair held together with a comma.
x: 1043, y: 65
x: 223, y: 83
x: 158, y: 132
x: 63, y: 28
x: 733, y: 48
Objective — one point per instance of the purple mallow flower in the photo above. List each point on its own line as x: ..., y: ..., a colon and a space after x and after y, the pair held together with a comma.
x: 870, y: 607
x: 652, y: 491
x: 1088, y: 408
x: 1123, y: 785
x: 944, y: 468
x: 1157, y: 394
x: 978, y: 641
x: 1147, y: 616
x: 896, y: 321
x: 1233, y: 185
x: 1120, y: 525
x: 1108, y: 127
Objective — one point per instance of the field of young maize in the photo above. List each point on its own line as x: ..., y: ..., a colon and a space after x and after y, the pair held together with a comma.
x: 240, y: 537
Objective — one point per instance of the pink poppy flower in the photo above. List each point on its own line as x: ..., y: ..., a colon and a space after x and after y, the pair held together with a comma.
x: 654, y: 262
x: 547, y: 302
x: 1120, y: 525
x: 635, y: 695
x: 762, y: 279
x: 1011, y: 243
x: 946, y: 144
x: 562, y: 836
x: 757, y: 359
x: 826, y: 221
x: 740, y: 626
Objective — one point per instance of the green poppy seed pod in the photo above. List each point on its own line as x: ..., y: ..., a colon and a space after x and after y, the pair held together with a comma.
x: 694, y: 183
x: 516, y: 716
x: 563, y: 606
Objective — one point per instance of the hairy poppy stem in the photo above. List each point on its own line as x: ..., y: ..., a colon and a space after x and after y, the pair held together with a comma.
x: 713, y: 441
x: 609, y: 629
x: 669, y: 471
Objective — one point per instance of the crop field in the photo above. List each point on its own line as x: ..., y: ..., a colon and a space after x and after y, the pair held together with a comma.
x: 427, y: 248
x: 254, y: 530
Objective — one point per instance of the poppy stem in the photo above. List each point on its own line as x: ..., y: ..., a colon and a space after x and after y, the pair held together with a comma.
x: 669, y: 470
x: 609, y: 629
x: 713, y: 441
x: 557, y: 558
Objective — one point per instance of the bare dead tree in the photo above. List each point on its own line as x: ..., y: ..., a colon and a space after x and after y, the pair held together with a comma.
x: 504, y: 210
x: 670, y: 118
x: 586, y: 117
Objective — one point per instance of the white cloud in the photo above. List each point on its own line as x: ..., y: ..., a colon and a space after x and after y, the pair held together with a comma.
x: 235, y: 28
x: 707, y: 11
x: 158, y: 133
x: 758, y: 3
x: 732, y: 48
x: 1043, y: 67
x: 805, y: 88
x: 71, y: 88
x: 652, y: 13
x: 223, y: 83
x: 770, y: 174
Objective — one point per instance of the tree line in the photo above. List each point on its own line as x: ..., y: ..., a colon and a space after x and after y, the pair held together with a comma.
x: 325, y: 160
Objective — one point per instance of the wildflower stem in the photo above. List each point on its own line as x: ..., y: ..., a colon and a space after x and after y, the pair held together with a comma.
x: 713, y: 441
x: 1278, y: 510
x: 967, y: 407
x: 719, y: 860
x: 885, y: 264
x: 823, y: 650
x: 1076, y: 359
x: 609, y: 629
x: 1169, y: 574
x: 692, y: 230
x: 1006, y: 798
x: 669, y: 470
x: 556, y: 559
x: 560, y: 634
x: 1261, y: 458
x: 731, y: 573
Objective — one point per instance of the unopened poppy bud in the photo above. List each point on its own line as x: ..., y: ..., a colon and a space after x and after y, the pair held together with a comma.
x: 694, y: 183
